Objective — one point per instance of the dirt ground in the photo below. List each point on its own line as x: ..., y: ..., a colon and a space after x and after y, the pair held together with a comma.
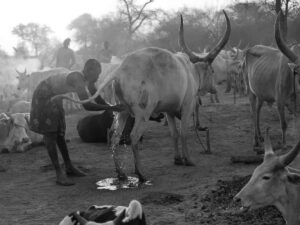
x: 179, y: 195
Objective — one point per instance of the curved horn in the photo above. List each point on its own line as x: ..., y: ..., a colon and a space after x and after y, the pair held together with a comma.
x: 118, y: 219
x: 18, y: 72
x: 213, y: 53
x: 184, y: 47
x: 267, y: 144
x: 280, y: 42
x: 290, y: 156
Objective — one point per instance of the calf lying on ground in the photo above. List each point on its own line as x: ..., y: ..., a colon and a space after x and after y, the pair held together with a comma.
x: 15, y: 136
x: 108, y: 215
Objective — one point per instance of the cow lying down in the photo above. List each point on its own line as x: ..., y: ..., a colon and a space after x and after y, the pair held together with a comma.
x: 108, y: 215
x: 94, y: 128
x: 15, y: 135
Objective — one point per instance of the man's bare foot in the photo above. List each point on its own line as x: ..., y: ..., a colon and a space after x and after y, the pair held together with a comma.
x: 74, y: 172
x: 64, y: 181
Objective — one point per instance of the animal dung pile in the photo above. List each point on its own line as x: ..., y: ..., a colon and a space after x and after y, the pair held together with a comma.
x: 161, y: 198
x: 219, y: 207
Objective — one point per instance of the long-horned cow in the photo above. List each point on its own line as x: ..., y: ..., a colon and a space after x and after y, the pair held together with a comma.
x: 269, y: 78
x: 154, y: 80
x: 274, y: 183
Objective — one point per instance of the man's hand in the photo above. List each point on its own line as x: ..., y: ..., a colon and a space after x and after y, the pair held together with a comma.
x: 118, y: 108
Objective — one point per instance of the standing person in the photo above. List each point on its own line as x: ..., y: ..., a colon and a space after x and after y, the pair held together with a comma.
x: 64, y: 56
x: 105, y: 53
x: 48, y: 118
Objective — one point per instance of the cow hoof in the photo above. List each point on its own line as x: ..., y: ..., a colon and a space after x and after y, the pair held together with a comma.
x: 122, y: 177
x: 4, y: 150
x: 64, y: 181
x: 178, y: 161
x: 188, y: 162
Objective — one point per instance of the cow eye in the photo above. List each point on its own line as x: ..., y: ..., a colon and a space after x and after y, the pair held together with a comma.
x: 266, y: 177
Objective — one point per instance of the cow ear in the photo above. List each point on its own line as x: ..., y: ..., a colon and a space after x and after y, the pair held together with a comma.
x: 292, y: 66
x: 293, y: 178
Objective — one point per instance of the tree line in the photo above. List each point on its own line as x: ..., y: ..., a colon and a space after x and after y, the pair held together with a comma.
x: 136, y: 25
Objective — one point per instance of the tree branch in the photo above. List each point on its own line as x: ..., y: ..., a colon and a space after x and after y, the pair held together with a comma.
x: 141, y: 11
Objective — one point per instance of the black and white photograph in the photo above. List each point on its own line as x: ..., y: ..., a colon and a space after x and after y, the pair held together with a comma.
x: 150, y: 112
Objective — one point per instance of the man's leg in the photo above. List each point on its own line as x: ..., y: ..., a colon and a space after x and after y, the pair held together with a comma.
x: 70, y: 169
x: 50, y: 142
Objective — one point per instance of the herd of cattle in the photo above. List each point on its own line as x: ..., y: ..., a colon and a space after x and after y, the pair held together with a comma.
x: 152, y: 80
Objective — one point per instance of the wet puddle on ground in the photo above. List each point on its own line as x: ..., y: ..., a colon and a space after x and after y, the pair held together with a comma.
x: 113, y: 184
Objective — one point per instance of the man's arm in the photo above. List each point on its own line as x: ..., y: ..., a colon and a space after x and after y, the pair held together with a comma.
x: 97, y: 107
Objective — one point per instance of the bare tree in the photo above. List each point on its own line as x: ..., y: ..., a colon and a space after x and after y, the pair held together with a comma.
x: 287, y: 6
x: 136, y: 15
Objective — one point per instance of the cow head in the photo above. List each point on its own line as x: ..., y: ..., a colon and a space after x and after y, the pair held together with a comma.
x: 269, y: 182
x: 202, y: 65
x: 15, y: 132
x: 23, y: 79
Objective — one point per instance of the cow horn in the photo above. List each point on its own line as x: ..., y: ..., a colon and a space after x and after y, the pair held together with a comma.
x: 213, y: 53
x: 184, y: 47
x: 290, y: 156
x: 119, y: 218
x: 267, y: 144
x: 280, y: 42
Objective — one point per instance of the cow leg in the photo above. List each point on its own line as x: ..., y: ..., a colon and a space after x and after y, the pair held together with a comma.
x: 175, y: 135
x: 196, y: 113
x: 259, y: 104
x: 70, y: 169
x: 118, y: 125
x: 136, y: 133
x: 283, y: 124
x: 212, y: 100
x: 252, y: 99
x: 217, y: 97
x: 228, y: 83
x: 184, y: 132
x: 50, y: 142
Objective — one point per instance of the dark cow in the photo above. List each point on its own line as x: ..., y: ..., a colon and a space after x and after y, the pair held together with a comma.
x: 94, y: 128
x: 108, y: 215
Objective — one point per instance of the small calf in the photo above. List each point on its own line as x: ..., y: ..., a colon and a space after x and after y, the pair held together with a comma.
x: 108, y: 215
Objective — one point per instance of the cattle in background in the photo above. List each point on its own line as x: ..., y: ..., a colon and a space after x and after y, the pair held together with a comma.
x: 154, y: 80
x: 29, y: 82
x: 21, y: 106
x: 268, y: 78
x: 226, y: 66
x: 15, y: 135
x: 274, y: 183
x: 108, y: 214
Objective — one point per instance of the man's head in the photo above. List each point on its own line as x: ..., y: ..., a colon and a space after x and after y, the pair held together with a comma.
x: 66, y: 42
x: 91, y: 70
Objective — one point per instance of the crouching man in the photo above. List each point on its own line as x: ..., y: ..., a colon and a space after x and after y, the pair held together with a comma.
x: 47, y: 117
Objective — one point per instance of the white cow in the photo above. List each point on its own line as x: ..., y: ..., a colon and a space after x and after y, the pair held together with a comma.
x: 21, y: 106
x: 15, y: 135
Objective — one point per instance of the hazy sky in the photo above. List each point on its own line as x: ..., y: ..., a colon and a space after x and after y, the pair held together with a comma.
x: 57, y: 14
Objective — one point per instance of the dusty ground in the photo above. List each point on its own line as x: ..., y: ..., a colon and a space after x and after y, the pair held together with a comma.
x: 179, y: 195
